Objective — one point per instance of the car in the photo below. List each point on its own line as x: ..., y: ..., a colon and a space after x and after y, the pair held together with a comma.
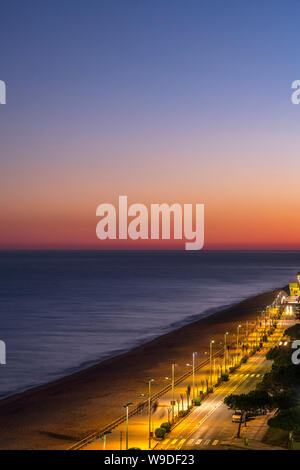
x: 237, y: 416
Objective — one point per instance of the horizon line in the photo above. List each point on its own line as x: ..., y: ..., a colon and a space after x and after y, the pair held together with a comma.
x: 152, y: 250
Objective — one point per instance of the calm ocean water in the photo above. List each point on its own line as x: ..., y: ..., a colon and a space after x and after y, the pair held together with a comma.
x: 64, y: 310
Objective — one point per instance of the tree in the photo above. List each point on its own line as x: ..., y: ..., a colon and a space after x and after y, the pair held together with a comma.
x: 166, y: 426
x: 252, y: 402
x: 288, y: 420
x: 284, y: 400
x: 154, y: 406
x: 293, y: 332
x: 281, y: 378
x: 188, y: 394
x: 160, y: 433
x: 280, y: 356
x: 182, y: 398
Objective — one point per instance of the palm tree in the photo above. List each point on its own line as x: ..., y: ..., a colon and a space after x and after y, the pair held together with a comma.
x: 188, y: 393
x: 182, y: 398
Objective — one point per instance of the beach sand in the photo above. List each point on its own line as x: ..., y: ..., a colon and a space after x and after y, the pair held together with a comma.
x: 56, y: 415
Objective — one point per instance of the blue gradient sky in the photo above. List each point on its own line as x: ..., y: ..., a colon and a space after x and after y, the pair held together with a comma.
x: 165, y: 101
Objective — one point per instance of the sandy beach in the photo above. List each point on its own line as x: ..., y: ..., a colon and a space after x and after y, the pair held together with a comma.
x: 56, y: 415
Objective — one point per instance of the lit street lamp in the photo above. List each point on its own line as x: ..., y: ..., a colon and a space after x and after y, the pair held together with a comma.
x: 214, y: 372
x: 149, y: 410
x: 172, y: 386
x: 237, y: 341
x: 225, y: 351
x: 210, y: 360
x: 127, y: 406
x: 193, y: 366
x: 103, y: 437
x: 256, y: 335
x: 169, y: 411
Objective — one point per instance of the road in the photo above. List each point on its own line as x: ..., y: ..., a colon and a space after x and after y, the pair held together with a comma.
x: 210, y: 425
x: 207, y: 426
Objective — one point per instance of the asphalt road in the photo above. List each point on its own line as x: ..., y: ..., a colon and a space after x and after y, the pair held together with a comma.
x: 211, y: 424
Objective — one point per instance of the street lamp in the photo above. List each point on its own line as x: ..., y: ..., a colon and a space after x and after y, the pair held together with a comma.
x: 127, y: 406
x: 173, y: 384
x: 149, y: 410
x: 103, y: 437
x: 172, y: 387
x: 237, y: 340
x: 256, y: 342
x: 225, y: 351
x: 169, y: 411
x: 193, y: 368
x: 214, y: 371
x: 210, y: 360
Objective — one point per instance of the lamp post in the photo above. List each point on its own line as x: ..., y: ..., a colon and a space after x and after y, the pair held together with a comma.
x: 210, y: 360
x: 237, y: 341
x: 149, y: 410
x: 169, y: 411
x: 127, y: 406
x: 256, y: 333
x: 172, y: 388
x: 214, y: 371
x: 104, y: 438
x: 194, y: 355
x: 225, y: 351
x: 173, y: 384
x: 193, y: 369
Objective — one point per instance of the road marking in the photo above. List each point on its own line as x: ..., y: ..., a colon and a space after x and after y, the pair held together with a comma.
x: 198, y: 442
x: 257, y: 375
x: 165, y: 441
x: 181, y: 442
x: 246, y: 375
x: 173, y: 442
x: 215, y: 442
x: 252, y: 375
x: 190, y: 442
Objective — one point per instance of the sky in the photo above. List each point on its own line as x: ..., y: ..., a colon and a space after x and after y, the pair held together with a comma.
x: 162, y: 101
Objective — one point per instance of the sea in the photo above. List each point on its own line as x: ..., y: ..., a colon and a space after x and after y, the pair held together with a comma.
x: 63, y: 311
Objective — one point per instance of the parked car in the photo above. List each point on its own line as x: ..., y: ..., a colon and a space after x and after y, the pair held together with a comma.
x: 238, y: 417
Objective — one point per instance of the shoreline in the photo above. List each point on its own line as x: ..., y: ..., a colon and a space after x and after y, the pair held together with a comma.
x: 56, y: 414
x: 118, y: 352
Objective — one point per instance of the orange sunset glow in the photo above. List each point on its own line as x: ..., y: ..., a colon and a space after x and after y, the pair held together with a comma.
x: 157, y: 132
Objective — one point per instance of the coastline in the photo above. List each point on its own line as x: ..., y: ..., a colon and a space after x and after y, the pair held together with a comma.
x: 55, y: 415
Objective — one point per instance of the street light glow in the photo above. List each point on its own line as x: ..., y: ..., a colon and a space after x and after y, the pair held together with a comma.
x: 149, y: 410
x: 127, y: 417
